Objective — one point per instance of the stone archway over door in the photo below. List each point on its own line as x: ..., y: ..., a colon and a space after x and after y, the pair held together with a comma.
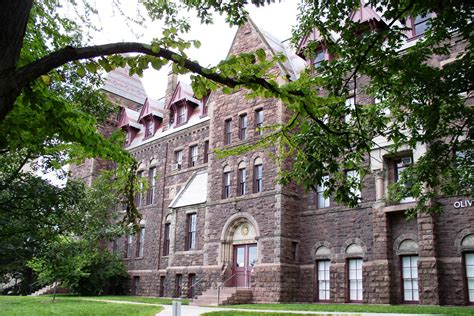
x: 239, y: 250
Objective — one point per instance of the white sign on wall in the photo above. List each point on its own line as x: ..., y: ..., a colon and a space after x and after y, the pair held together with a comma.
x: 463, y: 203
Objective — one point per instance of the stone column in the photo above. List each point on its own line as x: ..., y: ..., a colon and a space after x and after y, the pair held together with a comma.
x: 428, y: 279
x: 378, y: 271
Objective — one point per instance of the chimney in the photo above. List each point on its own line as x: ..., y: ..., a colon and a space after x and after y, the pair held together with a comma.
x: 170, y: 88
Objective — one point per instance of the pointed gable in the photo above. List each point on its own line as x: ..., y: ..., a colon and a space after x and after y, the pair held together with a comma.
x: 364, y: 14
x: 128, y: 118
x: 183, y: 92
x: 149, y: 110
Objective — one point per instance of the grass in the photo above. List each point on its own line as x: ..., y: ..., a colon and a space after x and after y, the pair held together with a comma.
x: 69, y: 306
x: 140, y: 299
x: 401, y: 309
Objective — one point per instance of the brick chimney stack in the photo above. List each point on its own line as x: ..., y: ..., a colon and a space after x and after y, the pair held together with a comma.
x: 170, y: 87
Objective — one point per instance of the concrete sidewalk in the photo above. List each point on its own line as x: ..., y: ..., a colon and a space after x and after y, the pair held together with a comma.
x: 187, y: 310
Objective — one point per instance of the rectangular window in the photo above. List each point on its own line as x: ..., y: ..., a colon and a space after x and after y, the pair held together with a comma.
x: 162, y: 286
x: 227, y: 185
x: 258, y: 121
x: 151, y: 185
x: 354, y: 177
x: 128, y: 138
x: 420, y: 24
x: 191, y: 281
x: 166, y: 241
x: 469, y: 261
x: 401, y: 165
x: 128, y: 246
x: 258, y: 176
x: 149, y: 128
x: 114, y: 246
x: 242, y: 181
x: 191, y: 236
x: 228, y: 132
x: 179, y: 278
x: 181, y: 115
x: 323, y: 279
x: 206, y: 151
x: 136, y: 285
x: 350, y: 106
x: 243, y: 125
x: 139, y: 196
x: 355, y: 280
x: 140, y: 242
x: 410, y: 278
x: 319, y: 57
x: 294, y: 250
x: 322, y: 201
x: 193, y: 156
x: 178, y: 160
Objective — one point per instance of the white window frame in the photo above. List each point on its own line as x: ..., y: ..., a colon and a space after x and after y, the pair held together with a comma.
x: 321, y: 200
x: 323, y: 279
x: 410, y: 278
x: 355, y: 279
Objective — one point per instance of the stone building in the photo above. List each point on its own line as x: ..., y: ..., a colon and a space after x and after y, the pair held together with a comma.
x: 213, y: 223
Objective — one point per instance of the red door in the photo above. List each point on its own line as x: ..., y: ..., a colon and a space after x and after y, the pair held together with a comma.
x: 245, y: 257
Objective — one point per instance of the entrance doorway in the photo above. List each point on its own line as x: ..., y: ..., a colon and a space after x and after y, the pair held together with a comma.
x: 245, y: 257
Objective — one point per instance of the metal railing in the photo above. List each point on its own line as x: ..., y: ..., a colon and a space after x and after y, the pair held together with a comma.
x: 193, y: 286
x: 247, y: 283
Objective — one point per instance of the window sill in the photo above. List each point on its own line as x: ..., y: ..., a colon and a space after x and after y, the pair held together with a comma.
x: 139, y: 258
x: 399, y: 207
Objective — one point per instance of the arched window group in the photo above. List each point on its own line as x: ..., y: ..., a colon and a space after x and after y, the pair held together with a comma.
x: 243, y: 179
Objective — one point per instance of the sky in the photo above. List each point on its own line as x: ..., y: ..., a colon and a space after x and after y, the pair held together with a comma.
x: 215, y: 39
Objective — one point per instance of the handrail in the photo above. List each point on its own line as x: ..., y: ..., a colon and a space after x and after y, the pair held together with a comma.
x: 197, y: 282
x: 222, y: 285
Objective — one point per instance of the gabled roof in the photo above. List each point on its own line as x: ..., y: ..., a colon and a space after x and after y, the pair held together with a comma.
x: 183, y: 92
x: 119, y: 82
x: 194, y: 191
x: 364, y: 14
x: 128, y: 118
x: 293, y: 64
x: 149, y: 109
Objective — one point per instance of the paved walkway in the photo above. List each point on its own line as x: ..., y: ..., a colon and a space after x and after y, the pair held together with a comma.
x: 187, y: 310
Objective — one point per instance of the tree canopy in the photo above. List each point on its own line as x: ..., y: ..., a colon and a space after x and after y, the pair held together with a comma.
x: 46, y: 63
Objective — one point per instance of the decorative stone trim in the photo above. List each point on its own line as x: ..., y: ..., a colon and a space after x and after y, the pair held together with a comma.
x: 458, y: 242
x: 317, y: 246
x: 358, y: 242
x: 399, y: 240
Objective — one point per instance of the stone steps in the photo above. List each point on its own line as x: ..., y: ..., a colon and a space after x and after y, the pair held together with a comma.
x: 227, y: 296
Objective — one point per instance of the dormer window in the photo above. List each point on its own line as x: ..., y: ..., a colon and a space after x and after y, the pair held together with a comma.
x: 181, y: 119
x: 319, y: 57
x: 419, y: 24
x: 128, y: 137
x: 149, y: 128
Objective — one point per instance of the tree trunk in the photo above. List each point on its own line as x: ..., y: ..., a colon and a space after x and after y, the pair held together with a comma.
x: 13, y: 20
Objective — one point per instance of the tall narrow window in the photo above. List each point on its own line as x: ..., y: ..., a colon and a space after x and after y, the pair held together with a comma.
x: 128, y: 246
x: 258, y: 121
x: 410, y: 278
x: 151, y: 185
x: 191, y: 236
x: 181, y: 115
x: 149, y: 128
x: 323, y: 279
x: 355, y: 280
x: 322, y: 200
x: 178, y: 160
x: 353, y: 177
x: 350, y: 106
x: 319, y: 57
x: 193, y: 155
x: 227, y: 183
x: 206, y: 151
x: 166, y: 240
x: 162, y: 286
x: 401, y: 165
x: 228, y: 132
x: 136, y: 285
x: 191, y: 281
x: 178, y: 280
x: 469, y: 262
x: 243, y: 125
x: 139, y: 196
x: 258, y: 176
x: 140, y: 242
x: 242, y: 179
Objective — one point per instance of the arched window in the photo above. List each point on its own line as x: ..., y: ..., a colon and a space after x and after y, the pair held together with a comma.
x: 467, y: 245
x: 258, y: 175
x: 323, y: 277
x: 354, y: 253
x: 242, y: 178
x: 227, y: 182
x: 408, y: 250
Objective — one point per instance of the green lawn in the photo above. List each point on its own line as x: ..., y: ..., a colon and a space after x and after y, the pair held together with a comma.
x: 402, y: 309
x: 69, y: 306
x: 140, y: 299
